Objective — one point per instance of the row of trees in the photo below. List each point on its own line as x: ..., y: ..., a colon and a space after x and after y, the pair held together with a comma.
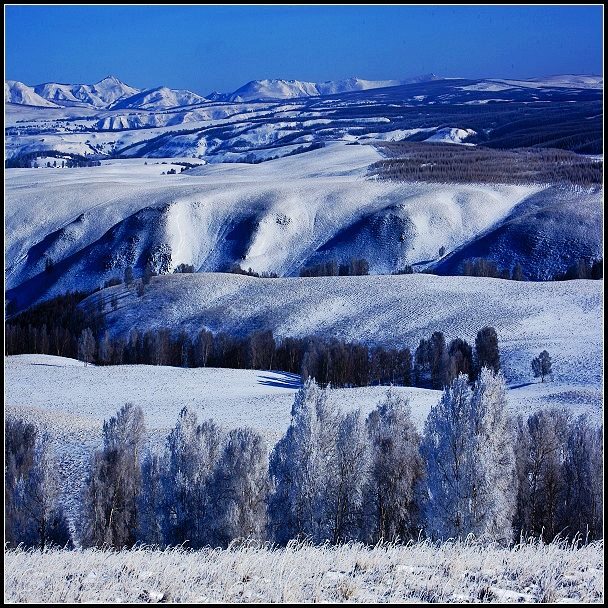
x: 437, y: 162
x: 58, y: 327
x: 333, y: 477
x: 30, y: 159
x: 582, y: 269
x: 331, y: 268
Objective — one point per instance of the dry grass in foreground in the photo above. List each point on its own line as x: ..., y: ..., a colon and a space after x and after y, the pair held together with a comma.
x: 250, y: 572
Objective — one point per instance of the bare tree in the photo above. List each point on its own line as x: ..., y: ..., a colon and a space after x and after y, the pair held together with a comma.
x: 114, y: 482
x: 86, y: 346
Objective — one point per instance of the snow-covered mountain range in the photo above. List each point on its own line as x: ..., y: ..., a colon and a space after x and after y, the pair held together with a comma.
x: 110, y: 92
x: 278, y: 184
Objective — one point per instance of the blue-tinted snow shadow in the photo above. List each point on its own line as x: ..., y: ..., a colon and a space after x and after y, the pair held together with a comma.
x: 281, y: 380
x: 521, y: 385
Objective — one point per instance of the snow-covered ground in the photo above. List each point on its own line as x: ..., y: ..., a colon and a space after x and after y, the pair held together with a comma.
x: 418, y: 573
x: 275, y: 216
x: 563, y: 317
x: 74, y: 400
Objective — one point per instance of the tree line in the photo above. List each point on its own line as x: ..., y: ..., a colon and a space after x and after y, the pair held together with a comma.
x: 351, y: 268
x: 333, y: 477
x: 64, y: 328
x: 437, y: 162
x: 29, y: 159
x: 581, y: 269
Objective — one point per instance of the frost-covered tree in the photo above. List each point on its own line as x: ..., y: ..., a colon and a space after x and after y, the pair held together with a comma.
x: 540, y: 454
x: 303, y: 467
x: 114, y: 482
x: 351, y: 474
x: 86, y: 346
x: 470, y: 461
x: 541, y: 366
x: 448, y: 451
x: 238, y: 489
x: 104, y: 351
x: 494, y: 489
x: 193, y: 451
x: 34, y: 516
x: 391, y: 509
x: 581, y: 503
x: 19, y: 447
x: 152, y: 520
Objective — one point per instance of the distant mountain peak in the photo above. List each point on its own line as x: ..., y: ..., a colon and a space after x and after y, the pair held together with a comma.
x: 111, y: 79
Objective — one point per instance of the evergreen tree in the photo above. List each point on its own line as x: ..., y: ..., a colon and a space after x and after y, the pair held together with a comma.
x: 486, y: 350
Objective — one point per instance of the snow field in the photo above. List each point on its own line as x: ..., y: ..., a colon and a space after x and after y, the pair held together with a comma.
x: 193, y: 217
x: 422, y: 572
x: 563, y: 317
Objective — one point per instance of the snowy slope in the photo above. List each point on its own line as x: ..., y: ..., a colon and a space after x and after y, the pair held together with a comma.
x: 449, y: 135
x: 159, y: 98
x: 561, y: 317
x: 289, y: 89
x: 233, y: 398
x: 17, y: 92
x: 273, y: 118
x: 93, y: 222
x: 75, y: 400
x: 544, y: 234
x: 581, y: 81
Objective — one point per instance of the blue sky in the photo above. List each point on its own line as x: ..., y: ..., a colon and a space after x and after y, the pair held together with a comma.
x: 205, y: 48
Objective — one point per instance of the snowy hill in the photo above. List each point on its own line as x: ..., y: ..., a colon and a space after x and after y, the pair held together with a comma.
x: 159, y: 98
x: 289, y: 89
x: 580, y: 81
x: 563, y: 317
x: 93, y: 222
x: 17, y: 92
x: 276, y: 118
